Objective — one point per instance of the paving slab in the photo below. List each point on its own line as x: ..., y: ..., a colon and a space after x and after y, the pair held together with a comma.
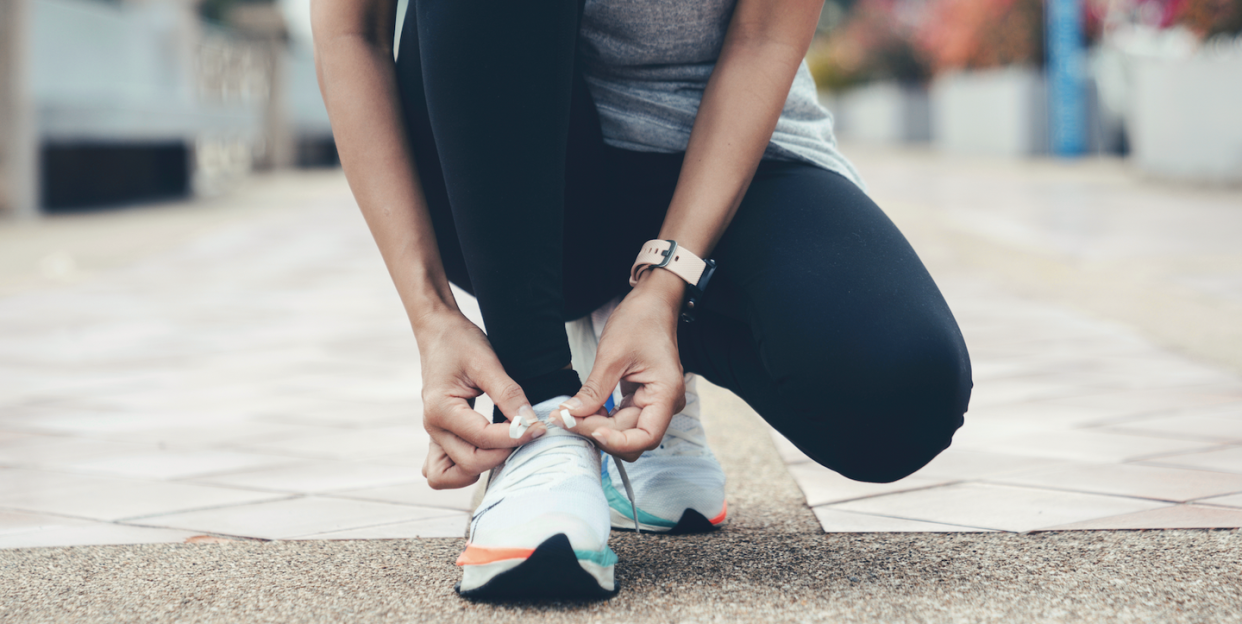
x: 1086, y: 404
x: 272, y: 333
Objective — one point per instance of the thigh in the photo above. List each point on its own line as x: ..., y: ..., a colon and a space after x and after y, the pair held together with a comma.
x: 602, y: 186
x: 615, y: 201
x: 826, y: 321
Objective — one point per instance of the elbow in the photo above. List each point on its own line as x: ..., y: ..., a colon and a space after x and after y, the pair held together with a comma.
x: 332, y: 24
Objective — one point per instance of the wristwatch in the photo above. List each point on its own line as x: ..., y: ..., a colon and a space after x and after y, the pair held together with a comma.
x: 665, y: 254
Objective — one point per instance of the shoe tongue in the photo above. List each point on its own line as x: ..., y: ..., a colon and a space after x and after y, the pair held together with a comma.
x: 544, y: 409
x: 555, y: 437
x: 682, y: 437
x: 560, y: 451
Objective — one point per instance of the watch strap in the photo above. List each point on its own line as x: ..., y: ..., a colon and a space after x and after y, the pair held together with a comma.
x: 666, y: 254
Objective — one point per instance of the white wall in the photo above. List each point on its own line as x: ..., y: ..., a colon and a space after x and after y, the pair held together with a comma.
x: 1186, y: 116
x: 883, y: 112
x: 1001, y: 112
x: 108, y: 72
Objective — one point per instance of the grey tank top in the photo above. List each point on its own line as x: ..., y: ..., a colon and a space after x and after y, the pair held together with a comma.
x: 646, y: 63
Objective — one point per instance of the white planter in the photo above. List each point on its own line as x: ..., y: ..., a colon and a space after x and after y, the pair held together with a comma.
x: 1000, y: 112
x: 1186, y: 116
x: 883, y: 112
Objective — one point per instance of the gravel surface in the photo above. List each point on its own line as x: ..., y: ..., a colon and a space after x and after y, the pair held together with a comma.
x: 1164, y: 576
x: 770, y: 563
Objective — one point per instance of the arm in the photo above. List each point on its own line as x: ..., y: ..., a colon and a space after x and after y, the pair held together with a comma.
x: 357, y: 75
x: 765, y: 43
x: 354, y: 63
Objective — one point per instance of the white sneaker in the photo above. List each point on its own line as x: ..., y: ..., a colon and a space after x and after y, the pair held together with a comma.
x: 541, y: 530
x: 679, y: 486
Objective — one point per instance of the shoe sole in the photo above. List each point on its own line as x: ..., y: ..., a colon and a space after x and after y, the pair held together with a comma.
x: 691, y: 522
x: 553, y: 571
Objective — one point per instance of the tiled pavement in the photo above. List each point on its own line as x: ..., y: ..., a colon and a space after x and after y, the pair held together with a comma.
x: 262, y: 382
x: 1074, y: 424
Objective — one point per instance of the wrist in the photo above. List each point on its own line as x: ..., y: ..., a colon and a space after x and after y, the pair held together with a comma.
x: 431, y: 317
x: 663, y: 286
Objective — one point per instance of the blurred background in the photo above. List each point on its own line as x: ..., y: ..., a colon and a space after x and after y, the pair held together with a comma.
x: 1156, y: 81
x: 114, y: 101
x: 107, y: 102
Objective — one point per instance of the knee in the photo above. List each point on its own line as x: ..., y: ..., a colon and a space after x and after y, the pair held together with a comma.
x: 882, y: 446
x: 876, y: 455
x: 888, y: 419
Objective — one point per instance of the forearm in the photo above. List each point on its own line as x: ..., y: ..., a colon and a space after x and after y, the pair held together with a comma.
x: 358, y: 81
x: 738, y: 112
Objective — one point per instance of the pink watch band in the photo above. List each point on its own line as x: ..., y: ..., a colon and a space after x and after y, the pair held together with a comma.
x: 668, y: 255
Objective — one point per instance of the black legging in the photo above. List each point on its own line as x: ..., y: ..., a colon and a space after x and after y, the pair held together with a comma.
x: 820, y: 315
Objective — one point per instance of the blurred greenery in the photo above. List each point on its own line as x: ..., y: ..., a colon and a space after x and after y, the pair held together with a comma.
x: 983, y: 34
x: 873, y: 41
x: 909, y: 40
x: 217, y: 11
x: 1210, y: 18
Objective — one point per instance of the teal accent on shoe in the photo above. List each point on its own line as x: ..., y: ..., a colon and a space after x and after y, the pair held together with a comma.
x: 603, y: 557
x: 617, y: 501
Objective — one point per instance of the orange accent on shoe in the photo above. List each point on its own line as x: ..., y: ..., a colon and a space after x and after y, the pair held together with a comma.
x: 478, y: 555
x: 724, y: 513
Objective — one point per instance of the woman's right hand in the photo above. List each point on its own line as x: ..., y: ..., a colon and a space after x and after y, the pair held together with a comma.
x: 458, y: 365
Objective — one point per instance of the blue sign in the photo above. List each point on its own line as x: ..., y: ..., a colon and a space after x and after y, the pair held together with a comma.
x: 1067, y: 102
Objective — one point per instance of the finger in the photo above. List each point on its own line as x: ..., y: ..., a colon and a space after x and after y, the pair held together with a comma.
x: 470, y: 458
x: 669, y: 398
x: 626, y: 442
x: 451, y: 477
x: 605, y: 375
x: 647, y: 432
x: 442, y: 473
x: 622, y: 418
x: 611, y: 432
x: 490, y: 377
x: 465, y: 423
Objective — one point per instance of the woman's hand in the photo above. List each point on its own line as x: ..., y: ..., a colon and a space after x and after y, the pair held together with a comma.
x: 639, y: 349
x: 459, y: 364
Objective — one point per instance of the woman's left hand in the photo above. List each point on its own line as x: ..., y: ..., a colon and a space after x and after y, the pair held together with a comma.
x: 639, y: 349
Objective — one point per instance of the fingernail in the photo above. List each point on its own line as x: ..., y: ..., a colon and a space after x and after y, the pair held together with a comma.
x: 572, y: 403
x: 568, y: 419
x: 527, y: 413
x: 538, y: 433
x: 599, y: 435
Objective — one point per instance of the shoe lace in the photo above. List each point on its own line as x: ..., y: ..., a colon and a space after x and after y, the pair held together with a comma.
x: 683, y: 443
x: 531, y: 466
x: 539, y: 465
x: 629, y: 492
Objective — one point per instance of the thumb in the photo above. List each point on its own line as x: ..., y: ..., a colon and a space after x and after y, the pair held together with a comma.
x: 508, y: 396
x: 605, y: 376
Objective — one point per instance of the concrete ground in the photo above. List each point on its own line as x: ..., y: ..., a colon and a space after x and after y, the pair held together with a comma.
x: 237, y: 370
x: 771, y: 563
